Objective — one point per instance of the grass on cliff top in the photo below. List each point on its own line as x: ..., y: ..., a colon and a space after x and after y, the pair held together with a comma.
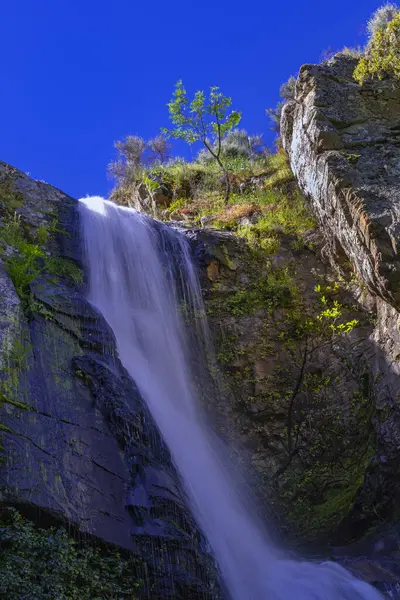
x: 265, y: 192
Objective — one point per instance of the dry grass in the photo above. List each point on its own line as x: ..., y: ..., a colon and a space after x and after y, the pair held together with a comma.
x: 237, y: 211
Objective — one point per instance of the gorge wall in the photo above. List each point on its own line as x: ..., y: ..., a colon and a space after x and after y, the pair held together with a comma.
x: 343, y: 146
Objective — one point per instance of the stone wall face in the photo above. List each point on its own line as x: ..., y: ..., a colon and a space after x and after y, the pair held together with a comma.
x: 79, y: 445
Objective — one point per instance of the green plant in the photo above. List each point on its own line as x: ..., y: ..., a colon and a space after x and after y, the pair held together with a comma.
x: 332, y: 311
x: 238, y: 144
x: 274, y: 290
x: 381, y: 18
x: 42, y: 234
x: 382, y: 56
x: 9, y: 197
x: 133, y: 167
x: 283, y: 214
x: 204, y: 121
x: 30, y: 260
x: 47, y: 563
x: 56, y: 265
x: 11, y: 232
x: 25, y: 266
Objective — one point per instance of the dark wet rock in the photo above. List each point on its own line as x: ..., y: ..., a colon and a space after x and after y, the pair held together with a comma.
x: 79, y: 443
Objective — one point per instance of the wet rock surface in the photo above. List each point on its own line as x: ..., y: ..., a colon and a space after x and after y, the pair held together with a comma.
x: 79, y: 443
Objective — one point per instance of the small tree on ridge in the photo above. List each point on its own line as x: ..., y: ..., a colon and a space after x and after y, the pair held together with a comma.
x: 205, y: 121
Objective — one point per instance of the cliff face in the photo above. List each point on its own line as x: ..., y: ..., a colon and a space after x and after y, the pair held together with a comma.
x: 343, y: 145
x: 299, y: 399
x: 79, y: 447
x: 344, y: 148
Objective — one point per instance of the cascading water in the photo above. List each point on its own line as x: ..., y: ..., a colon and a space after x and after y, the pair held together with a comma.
x: 132, y: 282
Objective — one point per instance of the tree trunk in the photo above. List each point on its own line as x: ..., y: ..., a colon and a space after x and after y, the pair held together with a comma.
x: 227, y: 188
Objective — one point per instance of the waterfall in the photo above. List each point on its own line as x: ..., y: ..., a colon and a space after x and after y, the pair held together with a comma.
x: 139, y: 271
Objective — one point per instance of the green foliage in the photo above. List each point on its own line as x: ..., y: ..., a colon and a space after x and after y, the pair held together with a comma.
x: 46, y: 563
x: 200, y: 120
x: 11, y: 232
x: 56, y: 265
x: 42, y: 234
x: 9, y: 197
x: 285, y: 214
x: 205, y: 121
x: 29, y: 259
x: 381, y: 18
x: 238, y: 144
x: 133, y: 166
x: 24, y: 267
x: 274, y: 290
x: 382, y: 55
x: 332, y: 310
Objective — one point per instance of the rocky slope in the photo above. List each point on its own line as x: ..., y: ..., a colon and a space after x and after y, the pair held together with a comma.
x: 79, y: 448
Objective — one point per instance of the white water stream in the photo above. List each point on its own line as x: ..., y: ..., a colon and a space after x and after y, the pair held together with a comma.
x: 132, y: 283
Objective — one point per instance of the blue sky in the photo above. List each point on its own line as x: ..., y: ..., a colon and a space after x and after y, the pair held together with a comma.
x: 78, y: 75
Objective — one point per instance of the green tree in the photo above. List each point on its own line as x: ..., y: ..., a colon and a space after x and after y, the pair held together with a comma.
x: 203, y: 120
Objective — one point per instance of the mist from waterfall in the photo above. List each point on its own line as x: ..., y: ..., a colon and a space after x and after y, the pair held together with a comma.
x: 142, y: 279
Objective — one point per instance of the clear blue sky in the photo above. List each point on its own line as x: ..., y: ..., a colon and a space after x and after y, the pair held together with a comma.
x: 77, y: 75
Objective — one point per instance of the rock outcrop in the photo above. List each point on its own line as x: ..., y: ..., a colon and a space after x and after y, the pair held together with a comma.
x: 344, y: 148
x: 79, y: 445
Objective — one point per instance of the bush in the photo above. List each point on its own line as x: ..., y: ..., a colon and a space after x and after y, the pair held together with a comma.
x: 10, y: 199
x: 188, y: 180
x: 30, y: 259
x: 382, y: 55
x: 38, y: 563
x: 286, y: 91
x: 238, y: 144
x: 381, y: 18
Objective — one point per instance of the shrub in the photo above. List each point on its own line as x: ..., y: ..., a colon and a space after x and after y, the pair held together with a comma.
x: 30, y: 260
x: 381, y: 18
x: 57, y: 265
x: 24, y: 267
x: 47, y: 563
x: 9, y: 197
x: 186, y: 179
x: 382, y: 56
x: 238, y: 144
x: 11, y: 231
x: 286, y: 92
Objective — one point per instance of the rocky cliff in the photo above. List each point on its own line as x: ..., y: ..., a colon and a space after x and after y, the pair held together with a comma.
x: 79, y: 448
x: 343, y: 143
